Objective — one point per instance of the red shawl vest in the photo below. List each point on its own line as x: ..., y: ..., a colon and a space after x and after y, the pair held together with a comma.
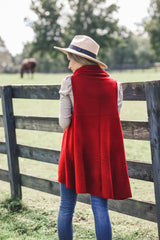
x: 92, y: 158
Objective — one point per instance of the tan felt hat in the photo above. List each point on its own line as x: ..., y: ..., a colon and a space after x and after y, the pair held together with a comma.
x: 84, y: 46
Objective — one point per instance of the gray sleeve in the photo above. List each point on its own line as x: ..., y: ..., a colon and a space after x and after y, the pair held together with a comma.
x: 65, y: 103
x: 120, y: 96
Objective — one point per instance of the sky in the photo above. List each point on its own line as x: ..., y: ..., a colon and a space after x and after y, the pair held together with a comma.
x: 15, y: 33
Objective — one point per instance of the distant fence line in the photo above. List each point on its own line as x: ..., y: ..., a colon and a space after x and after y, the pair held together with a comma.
x: 139, y: 130
x: 50, y: 67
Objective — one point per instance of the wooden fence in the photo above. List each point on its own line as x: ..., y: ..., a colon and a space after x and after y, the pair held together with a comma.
x: 150, y: 131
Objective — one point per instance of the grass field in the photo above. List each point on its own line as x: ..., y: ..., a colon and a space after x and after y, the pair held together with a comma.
x: 37, y: 218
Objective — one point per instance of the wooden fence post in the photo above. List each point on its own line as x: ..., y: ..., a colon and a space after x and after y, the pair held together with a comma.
x: 153, y: 107
x: 11, y: 144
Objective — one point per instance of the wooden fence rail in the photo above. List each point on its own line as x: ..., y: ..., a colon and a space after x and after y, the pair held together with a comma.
x: 131, y: 129
x: 138, y: 130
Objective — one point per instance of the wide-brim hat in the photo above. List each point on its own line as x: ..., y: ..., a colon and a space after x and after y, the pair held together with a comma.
x: 84, y: 46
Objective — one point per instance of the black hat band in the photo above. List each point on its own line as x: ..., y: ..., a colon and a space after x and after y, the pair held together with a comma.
x: 81, y: 50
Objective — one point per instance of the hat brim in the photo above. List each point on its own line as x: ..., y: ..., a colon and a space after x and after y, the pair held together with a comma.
x: 69, y: 50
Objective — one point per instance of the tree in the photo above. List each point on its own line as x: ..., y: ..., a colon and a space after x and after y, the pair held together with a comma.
x: 132, y: 52
x: 6, y: 63
x: 95, y: 19
x: 152, y: 26
x: 57, y: 24
x: 123, y: 55
x: 47, y: 28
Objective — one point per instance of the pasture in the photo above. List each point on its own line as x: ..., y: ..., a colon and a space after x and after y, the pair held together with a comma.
x: 44, y: 207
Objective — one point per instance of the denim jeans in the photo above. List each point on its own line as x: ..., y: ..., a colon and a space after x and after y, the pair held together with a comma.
x: 66, y: 210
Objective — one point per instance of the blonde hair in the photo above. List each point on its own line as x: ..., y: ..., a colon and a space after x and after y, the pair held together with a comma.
x: 83, y: 61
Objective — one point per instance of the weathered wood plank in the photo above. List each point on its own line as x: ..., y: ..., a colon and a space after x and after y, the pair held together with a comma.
x: 11, y: 144
x: 1, y: 120
x: 131, y: 91
x: 3, y: 148
x: 139, y: 209
x: 39, y: 154
x: 130, y: 207
x: 153, y: 108
x: 135, y: 130
x: 131, y: 129
x: 134, y: 91
x: 136, y: 169
x: 4, y: 175
x: 40, y: 184
x: 36, y: 91
x: 49, y: 124
x: 140, y: 170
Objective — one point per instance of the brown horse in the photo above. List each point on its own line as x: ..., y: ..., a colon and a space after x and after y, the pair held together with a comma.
x: 28, y: 65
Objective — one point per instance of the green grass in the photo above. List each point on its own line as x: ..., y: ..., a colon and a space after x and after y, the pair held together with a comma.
x: 42, y: 78
x: 36, y: 219
x: 38, y: 78
x: 38, y: 215
x: 136, y: 75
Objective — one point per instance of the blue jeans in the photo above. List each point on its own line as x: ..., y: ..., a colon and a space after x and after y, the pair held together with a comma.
x: 66, y: 210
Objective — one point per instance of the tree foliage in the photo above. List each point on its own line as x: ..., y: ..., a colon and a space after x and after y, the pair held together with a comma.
x: 57, y: 24
x: 93, y: 18
x: 5, y: 58
x: 152, y: 26
x: 58, y: 21
x: 47, y: 28
x: 132, y: 52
